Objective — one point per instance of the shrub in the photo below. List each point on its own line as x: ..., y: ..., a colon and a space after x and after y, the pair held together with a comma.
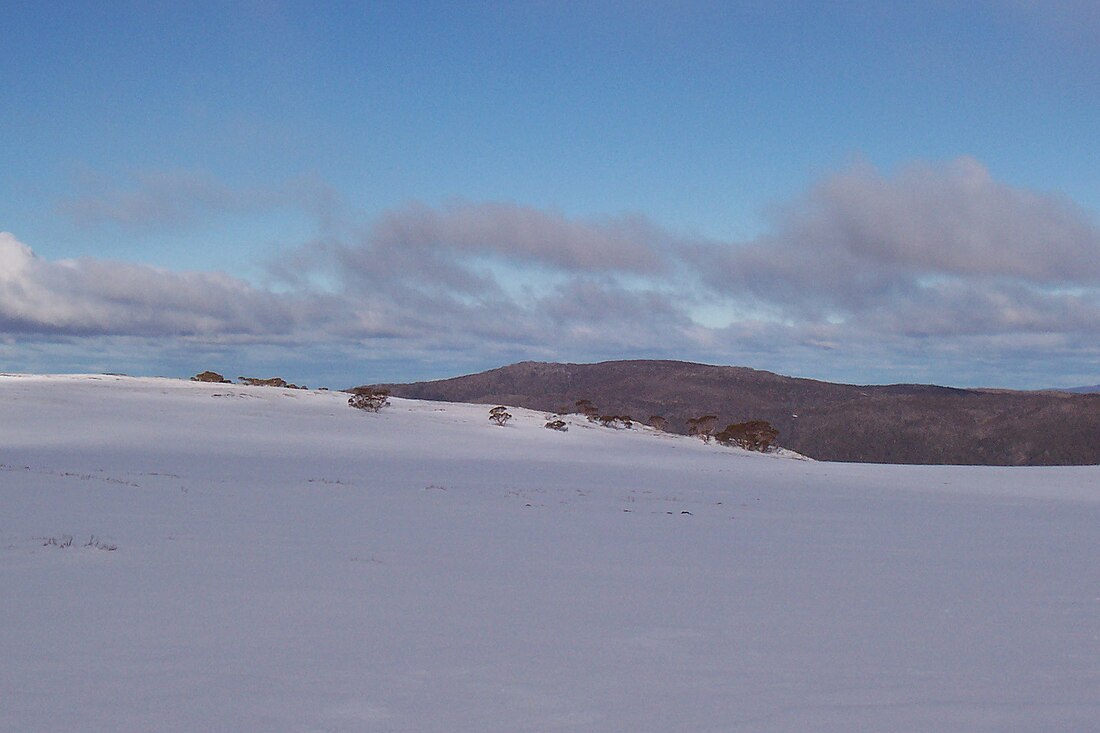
x: 658, y: 423
x: 99, y: 544
x: 557, y: 425
x: 209, y: 376
x: 500, y: 415
x: 702, y: 426
x: 587, y: 409
x: 616, y: 421
x: 256, y: 382
x: 755, y: 435
x: 369, y: 399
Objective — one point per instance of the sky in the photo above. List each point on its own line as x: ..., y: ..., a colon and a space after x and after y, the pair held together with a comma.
x: 344, y: 193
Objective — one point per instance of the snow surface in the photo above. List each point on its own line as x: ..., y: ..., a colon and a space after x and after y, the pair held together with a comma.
x: 287, y: 563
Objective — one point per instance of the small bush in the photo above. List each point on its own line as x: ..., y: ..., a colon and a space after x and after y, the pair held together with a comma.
x: 370, y: 399
x: 209, y: 376
x: 99, y: 544
x: 658, y: 423
x: 702, y: 427
x: 557, y: 425
x: 499, y: 415
x: 616, y: 421
x: 755, y: 435
x: 587, y: 409
x: 66, y: 540
x: 256, y: 382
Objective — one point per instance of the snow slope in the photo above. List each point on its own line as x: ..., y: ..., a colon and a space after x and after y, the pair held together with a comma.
x: 286, y: 563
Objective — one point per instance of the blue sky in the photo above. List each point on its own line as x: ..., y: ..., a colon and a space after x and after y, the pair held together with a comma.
x: 342, y: 193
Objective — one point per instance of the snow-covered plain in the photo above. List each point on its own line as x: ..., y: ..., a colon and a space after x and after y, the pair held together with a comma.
x: 286, y: 563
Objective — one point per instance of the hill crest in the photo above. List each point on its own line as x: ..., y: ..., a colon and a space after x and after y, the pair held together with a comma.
x: 896, y: 423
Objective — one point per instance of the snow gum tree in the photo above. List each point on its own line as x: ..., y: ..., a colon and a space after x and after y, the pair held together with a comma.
x: 702, y: 427
x: 756, y: 435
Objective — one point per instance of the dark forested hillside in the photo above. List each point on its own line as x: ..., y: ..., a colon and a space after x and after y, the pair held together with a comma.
x: 901, y: 423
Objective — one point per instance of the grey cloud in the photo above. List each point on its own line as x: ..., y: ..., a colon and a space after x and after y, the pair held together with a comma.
x: 415, y: 273
x: 521, y: 234
x: 599, y: 304
x: 961, y: 308
x: 934, y: 249
x: 95, y: 297
x: 937, y: 264
x: 952, y: 219
x: 445, y: 274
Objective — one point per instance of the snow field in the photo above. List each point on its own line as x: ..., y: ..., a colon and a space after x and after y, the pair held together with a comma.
x: 286, y: 563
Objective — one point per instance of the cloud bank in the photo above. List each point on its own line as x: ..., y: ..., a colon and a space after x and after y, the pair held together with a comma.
x: 89, y: 297
x: 935, y: 271
x: 932, y: 251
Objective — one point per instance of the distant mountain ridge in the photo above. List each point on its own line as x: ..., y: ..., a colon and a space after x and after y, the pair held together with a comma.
x: 900, y: 423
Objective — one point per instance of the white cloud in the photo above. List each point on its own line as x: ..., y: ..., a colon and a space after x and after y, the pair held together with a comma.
x: 95, y: 297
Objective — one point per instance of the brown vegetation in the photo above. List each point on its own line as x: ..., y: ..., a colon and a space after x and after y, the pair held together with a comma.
x: 272, y: 382
x: 702, y: 426
x: 209, y: 376
x: 756, y: 435
x: 370, y: 399
x: 587, y: 409
x: 500, y: 415
x: 256, y: 382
